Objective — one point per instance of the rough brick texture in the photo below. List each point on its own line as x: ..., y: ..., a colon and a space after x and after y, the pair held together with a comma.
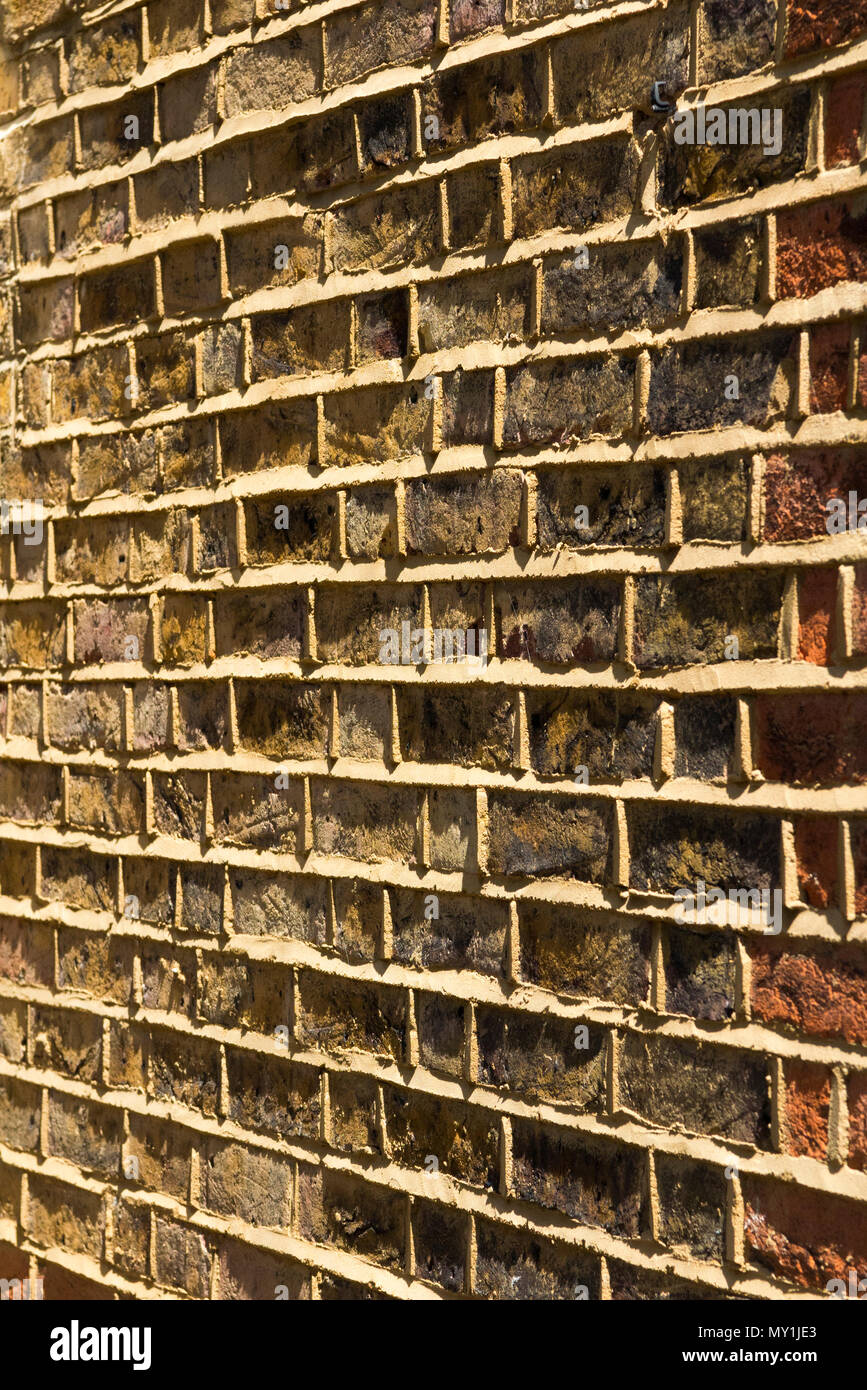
x: 430, y: 545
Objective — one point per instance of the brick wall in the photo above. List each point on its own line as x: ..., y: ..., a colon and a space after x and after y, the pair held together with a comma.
x: 328, y: 968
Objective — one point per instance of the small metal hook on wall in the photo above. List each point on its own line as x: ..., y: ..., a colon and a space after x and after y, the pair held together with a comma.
x: 657, y: 100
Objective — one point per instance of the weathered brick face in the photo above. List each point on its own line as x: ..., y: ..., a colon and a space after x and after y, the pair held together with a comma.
x: 433, y: 836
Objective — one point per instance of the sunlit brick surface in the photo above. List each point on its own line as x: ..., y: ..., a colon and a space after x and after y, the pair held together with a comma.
x: 434, y: 494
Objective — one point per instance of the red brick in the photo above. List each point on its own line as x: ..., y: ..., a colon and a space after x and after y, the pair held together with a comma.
x: 816, y: 848
x: 812, y: 739
x: 808, y: 1106
x: 804, y: 1236
x: 798, y: 486
x: 829, y: 367
x: 817, y: 597
x: 844, y: 114
x: 819, y: 993
x: 821, y: 23
x: 819, y: 245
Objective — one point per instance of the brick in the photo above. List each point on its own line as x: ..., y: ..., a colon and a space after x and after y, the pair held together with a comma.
x: 313, y: 337
x: 260, y: 623
x: 704, y: 734
x: 34, y: 233
x: 695, y: 173
x: 501, y: 94
x: 817, y: 593
x: 106, y: 54
x: 254, y: 1185
x: 691, y: 387
x: 807, y: 1101
x: 539, y: 1059
x: 714, y: 498
x: 121, y: 296
x: 816, y: 853
x: 279, y: 435
x: 67, y: 1041
x: 62, y: 1215
x: 127, y: 463
x: 704, y: 1089
x: 339, y: 1210
x: 108, y: 136
x: 79, y: 878
x: 40, y: 78
x: 728, y: 264
x: 439, y: 1244
x: 179, y: 804
x: 516, y: 1264
x: 94, y: 964
x: 185, y: 1071
x: 386, y: 231
x: 188, y: 103
x: 674, y: 848
x: 574, y: 954
x: 364, y: 821
x: 800, y: 1241
x: 357, y: 919
x: 273, y: 74
x: 538, y: 836
x: 191, y: 277
x: 821, y: 24
x: 627, y: 286
x: 162, y: 1152
x: 558, y: 624
x: 820, y: 244
x: 613, y: 61
x: 385, y: 133
x: 562, y: 402
x: 173, y: 27
x: 268, y: 905
x: 688, y: 620
x: 47, y: 311
x: 248, y: 810
x: 844, y: 116
x: 26, y: 951
x: 349, y: 622
x: 735, y: 38
x: 43, y: 152
x: 815, y: 992
x: 575, y: 187
x: 371, y: 523
x: 87, y: 1135
x: 473, y: 205
x: 583, y: 1177
x: 700, y: 974
x: 310, y: 157
x: 798, y: 486
x: 463, y: 1139
x: 90, y: 386
x: 829, y: 367
x: 20, y: 1107
x: 450, y: 932
x: 166, y: 192
x: 371, y: 36
x: 306, y: 536
x: 247, y: 1273
x: 612, y: 737
x: 253, y: 260
x: 692, y: 1204
x: 857, y: 1104
x: 811, y: 739
x: 383, y: 326
x: 334, y: 1012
